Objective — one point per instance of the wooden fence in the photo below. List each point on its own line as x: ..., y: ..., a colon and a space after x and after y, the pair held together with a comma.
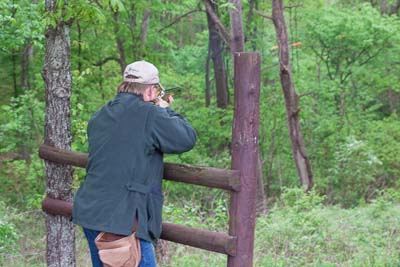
x: 240, y: 181
x: 226, y: 179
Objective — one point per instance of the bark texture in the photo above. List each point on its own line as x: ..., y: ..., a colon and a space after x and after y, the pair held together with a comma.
x: 14, y: 72
x: 216, y: 50
x: 144, y: 26
x: 221, y: 28
x: 395, y: 8
x: 207, y: 93
x: 56, y: 74
x: 119, y: 41
x: 291, y: 98
x: 25, y: 60
x: 237, y: 42
x: 261, y: 201
x: 242, y: 211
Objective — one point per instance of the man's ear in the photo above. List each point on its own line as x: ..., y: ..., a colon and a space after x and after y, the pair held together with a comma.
x: 147, y: 94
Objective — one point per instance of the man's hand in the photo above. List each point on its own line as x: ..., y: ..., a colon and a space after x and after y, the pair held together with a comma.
x: 164, y: 104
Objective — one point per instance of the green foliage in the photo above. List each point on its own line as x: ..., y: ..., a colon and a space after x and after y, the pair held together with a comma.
x: 8, y: 233
x: 21, y: 132
x: 356, y: 168
x: 346, y: 37
x: 21, y: 121
x: 328, y: 236
x: 297, y: 200
x: 193, y: 214
x: 187, y: 257
x: 68, y: 11
x: 19, y: 25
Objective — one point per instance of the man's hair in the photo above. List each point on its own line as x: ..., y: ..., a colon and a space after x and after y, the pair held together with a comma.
x: 132, y: 87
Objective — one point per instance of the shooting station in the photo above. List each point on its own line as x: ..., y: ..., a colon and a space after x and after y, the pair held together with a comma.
x: 240, y: 180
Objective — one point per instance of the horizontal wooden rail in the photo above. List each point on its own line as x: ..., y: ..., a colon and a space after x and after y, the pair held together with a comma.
x: 206, y: 176
x: 208, y: 240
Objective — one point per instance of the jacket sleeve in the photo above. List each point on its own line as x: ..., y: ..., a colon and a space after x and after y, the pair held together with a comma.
x: 169, y: 132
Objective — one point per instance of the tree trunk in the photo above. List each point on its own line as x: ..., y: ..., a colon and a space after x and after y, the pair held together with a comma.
x: 251, y: 29
x: 261, y: 202
x: 291, y: 98
x: 144, y: 27
x: 384, y: 7
x: 271, y: 157
x: 132, y: 27
x: 395, y: 8
x: 221, y: 28
x: 207, y: 77
x: 26, y: 55
x: 57, y: 77
x: 120, y: 42
x: 252, y: 6
x: 216, y: 47
x: 78, y: 26
x: 14, y: 72
x: 237, y: 42
x: 393, y: 99
x: 162, y: 249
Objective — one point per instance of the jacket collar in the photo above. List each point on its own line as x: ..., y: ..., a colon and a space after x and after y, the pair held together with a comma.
x: 129, y: 95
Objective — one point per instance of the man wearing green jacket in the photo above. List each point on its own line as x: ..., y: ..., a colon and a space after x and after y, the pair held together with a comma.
x: 127, y: 139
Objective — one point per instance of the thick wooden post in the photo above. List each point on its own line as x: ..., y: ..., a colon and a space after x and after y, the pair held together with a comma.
x: 57, y: 76
x: 244, y: 156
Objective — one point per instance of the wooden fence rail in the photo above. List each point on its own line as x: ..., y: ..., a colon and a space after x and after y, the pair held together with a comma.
x: 205, y: 176
x: 208, y: 240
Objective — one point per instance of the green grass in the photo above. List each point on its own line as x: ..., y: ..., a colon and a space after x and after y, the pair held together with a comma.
x: 330, y: 237
x: 287, y: 236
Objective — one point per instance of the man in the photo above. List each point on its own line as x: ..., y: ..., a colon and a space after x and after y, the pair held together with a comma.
x: 127, y: 139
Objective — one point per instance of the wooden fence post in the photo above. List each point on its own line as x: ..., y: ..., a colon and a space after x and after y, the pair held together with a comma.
x: 242, y: 210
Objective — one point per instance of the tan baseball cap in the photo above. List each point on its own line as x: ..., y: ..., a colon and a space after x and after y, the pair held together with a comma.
x: 142, y: 72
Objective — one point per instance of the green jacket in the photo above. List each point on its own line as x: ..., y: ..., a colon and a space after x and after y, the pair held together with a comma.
x: 127, y: 139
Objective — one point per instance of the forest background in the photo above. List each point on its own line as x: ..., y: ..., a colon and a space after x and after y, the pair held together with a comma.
x: 345, y: 58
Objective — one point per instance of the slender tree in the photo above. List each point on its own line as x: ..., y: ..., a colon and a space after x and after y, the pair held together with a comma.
x: 237, y: 35
x: 119, y: 40
x: 144, y: 28
x: 291, y: 98
x: 27, y: 52
x: 237, y: 45
x: 216, y: 53
x: 57, y: 76
x: 207, y: 95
